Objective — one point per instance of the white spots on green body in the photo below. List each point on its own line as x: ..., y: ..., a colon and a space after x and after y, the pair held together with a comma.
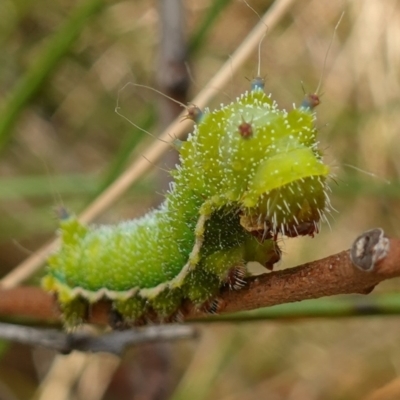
x: 227, y: 190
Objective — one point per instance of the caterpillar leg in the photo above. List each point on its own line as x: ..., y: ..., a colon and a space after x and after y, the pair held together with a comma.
x: 235, y: 278
x: 213, y: 306
x: 75, y: 312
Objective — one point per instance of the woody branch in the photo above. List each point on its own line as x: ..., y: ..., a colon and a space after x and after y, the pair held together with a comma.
x: 372, y: 258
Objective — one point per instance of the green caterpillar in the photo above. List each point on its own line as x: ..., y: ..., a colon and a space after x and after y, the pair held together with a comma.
x: 248, y: 172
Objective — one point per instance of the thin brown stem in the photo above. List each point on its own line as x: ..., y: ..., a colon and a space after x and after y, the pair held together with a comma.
x: 333, y: 275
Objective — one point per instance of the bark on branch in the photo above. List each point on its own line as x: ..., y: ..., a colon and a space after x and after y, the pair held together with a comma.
x: 372, y: 259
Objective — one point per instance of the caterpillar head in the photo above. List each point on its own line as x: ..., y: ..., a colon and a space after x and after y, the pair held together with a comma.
x: 262, y: 159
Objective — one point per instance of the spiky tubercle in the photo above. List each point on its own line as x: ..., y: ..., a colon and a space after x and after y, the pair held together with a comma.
x: 232, y: 195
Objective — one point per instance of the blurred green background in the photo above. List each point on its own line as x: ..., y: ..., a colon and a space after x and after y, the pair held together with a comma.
x: 61, y: 142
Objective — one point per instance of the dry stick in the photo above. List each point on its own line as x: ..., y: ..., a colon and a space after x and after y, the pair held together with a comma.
x: 24, y: 270
x: 374, y: 258
x: 112, y: 342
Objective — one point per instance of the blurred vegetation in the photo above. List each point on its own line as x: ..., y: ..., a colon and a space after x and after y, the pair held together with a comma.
x: 61, y: 67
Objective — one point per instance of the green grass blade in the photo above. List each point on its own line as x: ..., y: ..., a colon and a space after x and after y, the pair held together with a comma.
x: 34, y: 78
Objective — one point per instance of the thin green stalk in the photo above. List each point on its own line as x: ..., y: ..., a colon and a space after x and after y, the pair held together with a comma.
x: 45, y: 186
x: 354, y: 186
x: 201, y: 32
x: 339, y: 307
x: 34, y: 78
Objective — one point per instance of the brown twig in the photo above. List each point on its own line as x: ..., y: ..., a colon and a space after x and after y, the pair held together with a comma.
x: 333, y: 275
x: 373, y: 258
x: 111, y: 342
x: 172, y: 78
